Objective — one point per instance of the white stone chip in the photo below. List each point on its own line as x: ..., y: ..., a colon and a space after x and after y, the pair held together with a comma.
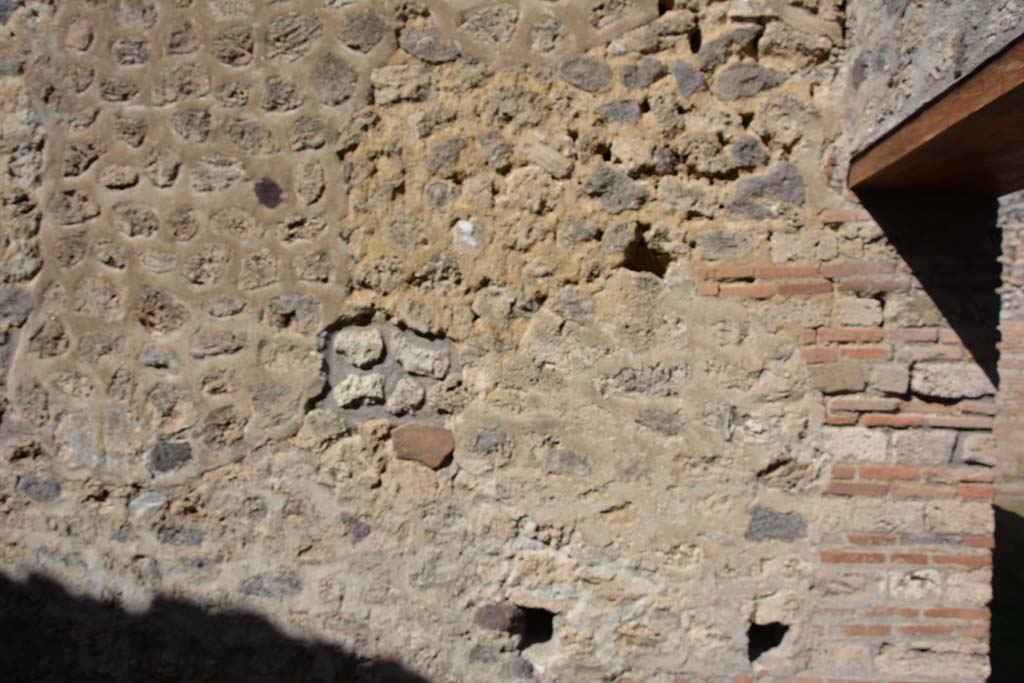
x: 363, y: 347
x: 462, y: 234
x: 356, y: 390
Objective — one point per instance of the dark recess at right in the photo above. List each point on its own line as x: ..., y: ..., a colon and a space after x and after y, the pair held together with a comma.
x: 640, y: 258
x: 538, y: 626
x: 695, y: 40
x: 764, y: 637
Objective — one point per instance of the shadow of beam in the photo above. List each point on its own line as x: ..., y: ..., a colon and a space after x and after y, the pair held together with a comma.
x: 952, y: 244
x: 47, y: 634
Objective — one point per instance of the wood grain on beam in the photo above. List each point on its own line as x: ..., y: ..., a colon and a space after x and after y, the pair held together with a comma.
x: 969, y: 139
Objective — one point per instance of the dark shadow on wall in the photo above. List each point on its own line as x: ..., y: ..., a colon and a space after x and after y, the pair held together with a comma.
x: 1008, y: 599
x: 952, y: 244
x: 47, y: 634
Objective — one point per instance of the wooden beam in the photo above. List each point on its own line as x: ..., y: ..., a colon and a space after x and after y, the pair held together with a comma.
x: 969, y: 139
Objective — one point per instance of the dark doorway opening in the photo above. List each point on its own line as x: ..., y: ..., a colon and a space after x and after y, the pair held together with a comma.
x: 1007, y: 605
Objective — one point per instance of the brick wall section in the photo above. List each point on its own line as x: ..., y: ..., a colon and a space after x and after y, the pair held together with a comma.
x: 908, y: 478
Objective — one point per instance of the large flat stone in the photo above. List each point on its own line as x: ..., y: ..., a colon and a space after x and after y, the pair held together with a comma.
x: 430, y: 446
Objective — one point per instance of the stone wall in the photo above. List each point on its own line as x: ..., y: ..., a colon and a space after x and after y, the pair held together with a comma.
x: 903, y: 53
x: 505, y: 340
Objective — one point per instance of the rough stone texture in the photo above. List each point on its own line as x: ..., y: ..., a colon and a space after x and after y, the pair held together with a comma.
x: 428, y: 45
x: 502, y: 617
x: 620, y: 111
x: 363, y: 31
x: 617, y: 192
x: 362, y: 347
x: 490, y: 25
x: 932, y: 447
x: 1004, y: 451
x: 762, y: 197
x: 950, y: 380
x: 769, y: 525
x: 167, y: 456
x: 643, y: 74
x: 356, y: 390
x: 688, y: 79
x: 412, y: 326
x: 745, y: 79
x: 586, y: 73
x: 947, y: 42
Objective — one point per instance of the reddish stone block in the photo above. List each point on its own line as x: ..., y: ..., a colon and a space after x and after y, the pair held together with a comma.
x: 926, y: 630
x: 909, y: 558
x: 980, y: 632
x: 914, y: 334
x: 707, y: 289
x: 703, y: 271
x: 865, y: 405
x: 988, y: 542
x: 429, y: 446
x: 850, y: 334
x: 734, y: 272
x: 889, y: 472
x: 843, y: 488
x: 751, y: 291
x: 963, y: 560
x: 844, y: 471
x: 815, y: 355
x: 894, y: 421
x: 848, y: 557
x: 976, y: 491
x: 868, y: 353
